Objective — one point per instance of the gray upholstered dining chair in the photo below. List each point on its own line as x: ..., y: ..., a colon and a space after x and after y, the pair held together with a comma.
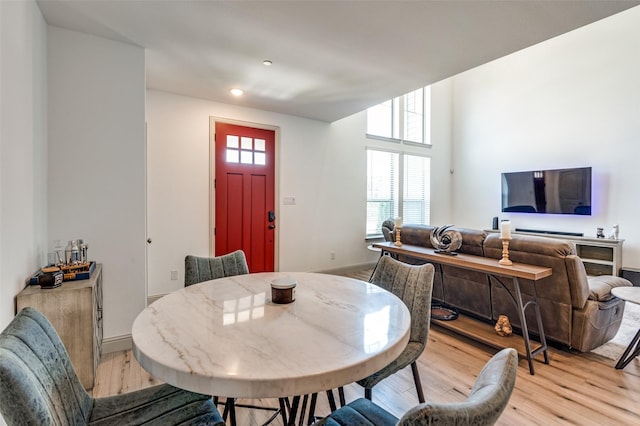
x: 199, y: 269
x: 487, y: 400
x: 413, y: 284
x: 38, y: 386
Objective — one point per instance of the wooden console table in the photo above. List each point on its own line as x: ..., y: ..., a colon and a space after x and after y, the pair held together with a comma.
x: 490, y: 267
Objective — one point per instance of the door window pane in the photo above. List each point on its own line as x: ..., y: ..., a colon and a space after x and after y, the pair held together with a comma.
x: 232, y: 141
x: 246, y: 157
x: 233, y: 156
x: 247, y: 143
x: 260, y: 158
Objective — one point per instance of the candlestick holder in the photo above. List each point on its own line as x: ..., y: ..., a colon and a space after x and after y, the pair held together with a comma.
x: 505, y: 253
x: 398, y: 243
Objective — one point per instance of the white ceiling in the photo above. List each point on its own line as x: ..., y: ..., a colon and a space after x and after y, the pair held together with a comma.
x: 330, y: 58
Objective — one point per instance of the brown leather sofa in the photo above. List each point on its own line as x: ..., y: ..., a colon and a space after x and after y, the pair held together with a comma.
x: 578, y: 311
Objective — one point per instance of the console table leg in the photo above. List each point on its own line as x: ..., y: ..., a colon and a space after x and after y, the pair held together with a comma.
x: 525, y: 329
x: 543, y: 338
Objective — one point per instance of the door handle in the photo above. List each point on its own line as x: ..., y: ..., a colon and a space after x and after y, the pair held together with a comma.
x: 272, y: 227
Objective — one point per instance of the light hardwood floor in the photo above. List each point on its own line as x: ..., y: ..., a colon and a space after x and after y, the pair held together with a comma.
x: 574, y: 389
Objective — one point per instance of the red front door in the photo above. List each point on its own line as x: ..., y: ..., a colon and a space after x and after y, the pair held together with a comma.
x: 245, y: 197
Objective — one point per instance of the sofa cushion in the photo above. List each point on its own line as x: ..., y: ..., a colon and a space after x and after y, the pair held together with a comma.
x: 361, y: 412
x: 600, y: 287
x: 472, y: 241
x: 157, y: 405
x: 415, y: 235
x: 540, y: 251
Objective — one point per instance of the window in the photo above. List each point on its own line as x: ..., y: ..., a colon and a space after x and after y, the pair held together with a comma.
x: 398, y: 184
x: 398, y: 179
x: 246, y: 150
x: 405, y: 118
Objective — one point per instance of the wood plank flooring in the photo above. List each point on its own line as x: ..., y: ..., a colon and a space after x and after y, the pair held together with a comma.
x: 575, y: 389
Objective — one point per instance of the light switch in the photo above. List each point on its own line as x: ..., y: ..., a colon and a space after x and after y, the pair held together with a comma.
x: 289, y: 201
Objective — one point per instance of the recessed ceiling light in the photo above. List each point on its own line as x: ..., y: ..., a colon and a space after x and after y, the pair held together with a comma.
x: 236, y: 92
x: 267, y: 62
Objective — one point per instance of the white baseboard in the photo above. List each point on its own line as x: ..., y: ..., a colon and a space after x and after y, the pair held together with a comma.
x: 348, y: 269
x: 116, y: 344
x: 152, y: 298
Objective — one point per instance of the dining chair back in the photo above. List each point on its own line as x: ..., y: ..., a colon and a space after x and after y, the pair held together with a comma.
x: 413, y: 284
x: 38, y: 386
x: 199, y: 269
x: 487, y: 400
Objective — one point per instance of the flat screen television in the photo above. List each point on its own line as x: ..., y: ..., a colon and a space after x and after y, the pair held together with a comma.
x: 559, y: 191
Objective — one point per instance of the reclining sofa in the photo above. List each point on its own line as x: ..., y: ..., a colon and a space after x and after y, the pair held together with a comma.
x: 578, y: 311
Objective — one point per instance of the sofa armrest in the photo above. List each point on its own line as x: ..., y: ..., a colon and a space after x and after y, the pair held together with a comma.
x: 578, y: 281
x: 600, y: 287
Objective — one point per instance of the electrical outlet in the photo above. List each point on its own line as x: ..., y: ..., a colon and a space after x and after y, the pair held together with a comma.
x: 174, y: 274
x: 332, y: 255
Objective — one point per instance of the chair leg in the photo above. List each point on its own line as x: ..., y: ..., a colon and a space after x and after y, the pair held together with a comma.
x: 303, y: 410
x: 343, y: 401
x: 312, y: 409
x: 416, y: 379
x: 332, y: 401
x: 230, y: 411
x: 367, y: 393
x: 284, y: 406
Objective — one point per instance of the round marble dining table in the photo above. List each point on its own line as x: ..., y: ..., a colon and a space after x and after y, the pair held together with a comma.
x: 226, y: 337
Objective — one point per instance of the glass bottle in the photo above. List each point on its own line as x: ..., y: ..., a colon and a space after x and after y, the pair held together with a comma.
x: 72, y: 253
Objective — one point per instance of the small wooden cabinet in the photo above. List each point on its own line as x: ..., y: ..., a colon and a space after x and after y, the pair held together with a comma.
x: 75, y: 310
x: 601, y: 256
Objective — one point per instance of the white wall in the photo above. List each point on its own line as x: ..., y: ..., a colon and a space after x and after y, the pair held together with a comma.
x: 97, y: 162
x: 322, y: 165
x: 23, y: 149
x: 571, y: 101
x: 179, y: 194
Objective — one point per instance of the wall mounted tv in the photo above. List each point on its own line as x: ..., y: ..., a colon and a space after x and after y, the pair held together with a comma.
x: 559, y: 191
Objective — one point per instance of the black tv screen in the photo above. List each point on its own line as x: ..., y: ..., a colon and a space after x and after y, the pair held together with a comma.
x: 559, y: 191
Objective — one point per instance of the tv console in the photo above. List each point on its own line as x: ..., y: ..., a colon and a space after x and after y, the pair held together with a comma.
x: 538, y: 231
x: 600, y: 256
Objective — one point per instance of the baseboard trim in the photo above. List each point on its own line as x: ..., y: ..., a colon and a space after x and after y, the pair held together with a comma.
x: 154, y: 297
x: 116, y: 344
x: 348, y: 269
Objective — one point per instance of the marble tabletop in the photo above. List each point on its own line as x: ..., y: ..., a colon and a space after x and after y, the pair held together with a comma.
x: 630, y: 294
x: 226, y: 337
